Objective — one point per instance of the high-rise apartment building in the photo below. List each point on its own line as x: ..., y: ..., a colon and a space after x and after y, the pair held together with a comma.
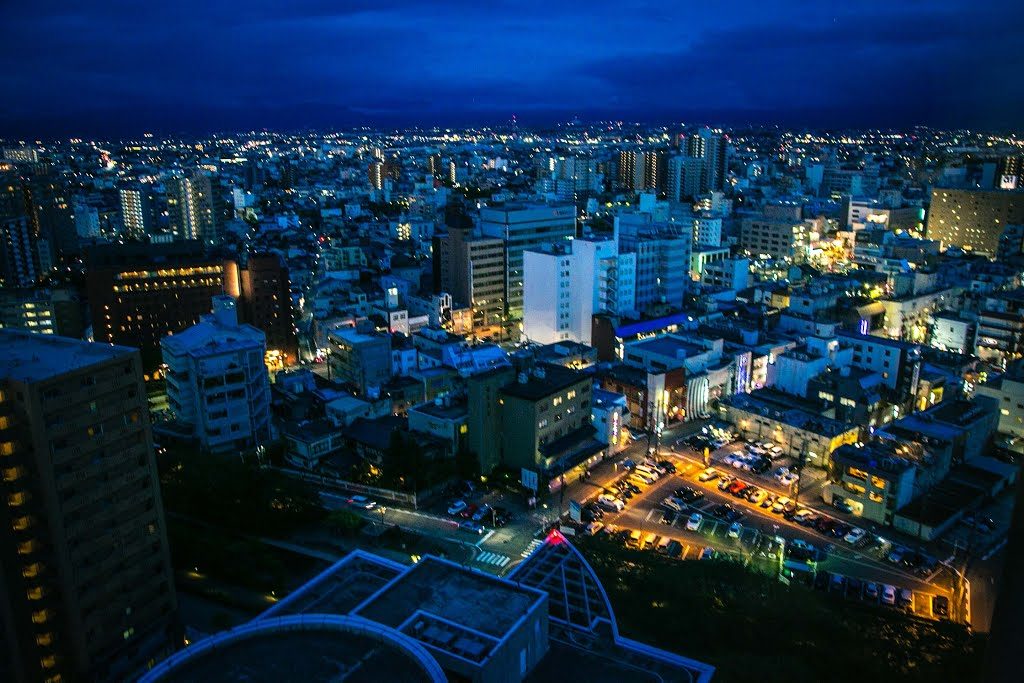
x: 472, y: 269
x: 631, y: 169
x: 662, y: 251
x: 191, y: 208
x: 87, y: 592
x: 137, y: 214
x: 217, y: 381
x: 522, y: 226
x: 711, y: 148
x: 566, y: 283
x: 21, y: 262
x: 685, y: 175
x: 973, y: 219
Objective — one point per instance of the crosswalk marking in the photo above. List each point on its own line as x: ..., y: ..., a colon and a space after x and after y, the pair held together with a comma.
x: 495, y: 559
x: 534, y: 544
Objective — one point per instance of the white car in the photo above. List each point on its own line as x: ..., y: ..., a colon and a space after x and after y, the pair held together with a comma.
x: 755, y: 449
x: 610, y: 503
x: 708, y: 474
x: 673, y: 504
x: 457, y: 507
x: 855, y: 535
x: 693, y: 523
x: 734, y: 530
x: 730, y: 459
x: 788, y: 479
x: 780, y: 472
x: 888, y: 595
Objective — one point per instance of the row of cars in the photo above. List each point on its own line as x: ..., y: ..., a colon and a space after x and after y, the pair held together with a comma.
x: 650, y: 541
x: 784, y: 506
x: 640, y: 476
x: 877, y: 593
x: 475, y: 515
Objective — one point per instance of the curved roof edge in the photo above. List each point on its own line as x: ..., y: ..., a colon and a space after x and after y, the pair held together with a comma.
x: 324, y: 622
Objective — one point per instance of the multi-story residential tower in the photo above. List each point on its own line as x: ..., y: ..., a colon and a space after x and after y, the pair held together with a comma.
x: 137, y: 215
x: 86, y: 589
x: 217, y: 380
x: 191, y: 209
x: 265, y: 302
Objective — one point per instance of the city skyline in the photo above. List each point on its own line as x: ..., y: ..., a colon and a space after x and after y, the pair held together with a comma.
x: 123, y: 69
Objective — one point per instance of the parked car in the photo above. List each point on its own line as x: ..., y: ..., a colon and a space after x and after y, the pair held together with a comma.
x: 457, y: 507
x: 940, y: 606
x: 674, y: 504
x: 693, y: 523
x: 472, y: 527
x: 610, y: 503
x: 362, y: 502
x: 855, y: 536
x: 757, y: 496
x: 838, y: 582
x: 668, y: 517
x: 780, y: 505
x: 708, y: 474
x: 469, y: 511
x: 726, y: 482
x: 888, y: 595
x: 841, y: 504
x: 483, y: 512
x: 668, y: 466
x: 592, y: 528
x: 871, y: 590
x: 674, y: 548
x: 663, y: 544
x: 768, y: 501
x: 734, y: 530
x: 789, y: 479
x: 804, y: 517
x: 706, y: 553
x: 905, y: 598
x: 502, y: 516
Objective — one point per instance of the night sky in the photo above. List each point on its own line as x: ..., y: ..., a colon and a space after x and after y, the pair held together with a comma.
x: 114, y: 67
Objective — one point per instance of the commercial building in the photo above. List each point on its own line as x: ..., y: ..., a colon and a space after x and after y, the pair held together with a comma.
x: 782, y: 239
x: 56, y: 310
x: 87, y: 589
x: 263, y: 292
x: 973, y: 219
x: 878, y: 478
x: 550, y: 619
x: 522, y: 226
x: 217, y: 381
x: 1008, y: 390
x: 546, y: 426
x: 801, y: 433
x: 362, y: 360
x: 951, y: 330
x: 140, y: 293
x: 898, y: 362
x: 471, y: 268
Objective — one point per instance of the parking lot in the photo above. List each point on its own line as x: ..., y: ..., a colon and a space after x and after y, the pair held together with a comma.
x: 655, y: 510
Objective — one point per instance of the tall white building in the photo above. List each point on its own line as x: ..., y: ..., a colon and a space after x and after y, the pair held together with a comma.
x: 565, y: 283
x: 523, y: 226
x: 707, y: 230
x: 217, y: 379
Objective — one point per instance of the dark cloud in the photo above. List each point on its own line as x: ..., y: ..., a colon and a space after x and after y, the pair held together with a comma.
x: 116, y: 66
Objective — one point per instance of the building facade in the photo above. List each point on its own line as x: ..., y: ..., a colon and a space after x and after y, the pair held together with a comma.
x: 217, y: 381
x: 87, y: 590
